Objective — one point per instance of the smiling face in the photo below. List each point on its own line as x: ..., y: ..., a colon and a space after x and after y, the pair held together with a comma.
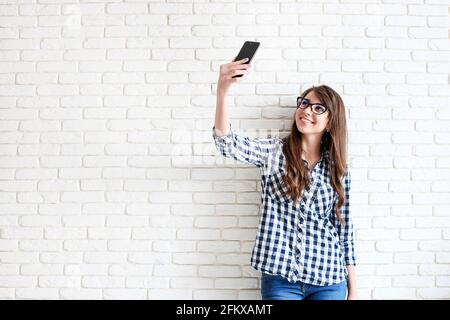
x: 307, y: 121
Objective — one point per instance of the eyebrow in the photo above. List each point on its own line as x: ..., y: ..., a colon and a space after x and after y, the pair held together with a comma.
x: 309, y: 100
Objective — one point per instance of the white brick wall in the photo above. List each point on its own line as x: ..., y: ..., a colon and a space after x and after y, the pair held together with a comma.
x: 110, y: 183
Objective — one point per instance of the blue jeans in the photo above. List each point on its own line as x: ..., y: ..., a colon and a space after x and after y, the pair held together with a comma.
x: 275, y: 287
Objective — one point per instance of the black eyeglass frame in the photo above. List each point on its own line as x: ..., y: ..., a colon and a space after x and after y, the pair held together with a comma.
x: 300, y: 99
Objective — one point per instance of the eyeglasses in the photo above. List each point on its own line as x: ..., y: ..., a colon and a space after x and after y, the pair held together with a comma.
x: 317, y: 108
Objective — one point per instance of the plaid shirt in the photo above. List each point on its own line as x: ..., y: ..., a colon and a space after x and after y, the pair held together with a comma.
x: 300, y: 241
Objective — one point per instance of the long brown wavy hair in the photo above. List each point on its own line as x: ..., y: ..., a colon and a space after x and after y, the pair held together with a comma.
x: 296, y: 177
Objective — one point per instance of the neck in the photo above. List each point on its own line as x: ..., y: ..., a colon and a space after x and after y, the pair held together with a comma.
x: 311, y: 145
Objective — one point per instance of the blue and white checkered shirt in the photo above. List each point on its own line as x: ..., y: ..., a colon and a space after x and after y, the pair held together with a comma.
x: 300, y: 241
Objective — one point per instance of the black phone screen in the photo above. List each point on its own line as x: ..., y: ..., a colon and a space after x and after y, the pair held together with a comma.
x: 248, y: 50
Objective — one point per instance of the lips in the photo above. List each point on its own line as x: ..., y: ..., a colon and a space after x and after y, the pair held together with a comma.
x: 306, y: 120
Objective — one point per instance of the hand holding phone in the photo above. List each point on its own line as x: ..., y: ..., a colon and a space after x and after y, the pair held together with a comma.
x: 240, y: 65
x: 248, y: 50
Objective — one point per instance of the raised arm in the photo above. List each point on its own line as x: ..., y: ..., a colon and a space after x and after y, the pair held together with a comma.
x: 231, y: 145
x: 227, y: 71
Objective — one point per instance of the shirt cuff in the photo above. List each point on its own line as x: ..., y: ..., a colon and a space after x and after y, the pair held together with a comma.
x: 216, y: 136
x: 350, y: 261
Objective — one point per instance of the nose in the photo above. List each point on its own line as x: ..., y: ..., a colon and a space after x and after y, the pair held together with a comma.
x: 308, y: 111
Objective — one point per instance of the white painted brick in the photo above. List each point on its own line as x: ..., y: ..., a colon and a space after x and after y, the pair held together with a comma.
x: 215, y: 294
x: 193, y: 258
x: 215, y: 222
x: 410, y: 162
x: 442, y: 281
x: 85, y: 269
x: 153, y: 233
x: 441, y: 210
x: 18, y: 281
x: 170, y: 294
x: 22, y: 233
x: 219, y: 198
x: 149, y: 258
x: 37, y: 293
x: 102, y: 282
x: 249, y: 294
x: 170, y: 8
x: 435, y: 293
x: 393, y: 222
x: 83, y: 221
x: 132, y: 269
x: 64, y: 233
x: 433, y: 269
x: 174, y: 246
x: 175, y: 270
x: 427, y: 32
x: 38, y: 269
x: 225, y: 271
x: 212, y: 174
x: 82, y: 197
x: 190, y: 186
x: 125, y: 294
x: 147, y: 209
x: 9, y: 245
x: 61, y: 257
x: 239, y: 234
x: 425, y: 198
x: 430, y: 222
x: 373, y: 282
x: 392, y: 198
x: 145, y: 185
x: 40, y: 245
x: 96, y: 185
x: 85, y: 245
x: 126, y: 221
x: 37, y: 197
x: 218, y: 246
x: 129, y: 8
x: 376, y: 234
x: 59, y: 209
x: 9, y: 269
x: 413, y: 281
x: 104, y: 257
x: 243, y: 283
x: 419, y: 234
x: 385, y: 9
x: 430, y: 174
x: 237, y: 209
x: 109, y: 233
x: 233, y: 259
x: 55, y: 281
x: 434, y: 245
x: 80, y: 293
x: 359, y: 43
x: 442, y: 257
x: 171, y: 197
x: 397, y: 269
x: 126, y: 196
x: 376, y: 258
x: 393, y: 293
x: 166, y: 221
x: 400, y: 246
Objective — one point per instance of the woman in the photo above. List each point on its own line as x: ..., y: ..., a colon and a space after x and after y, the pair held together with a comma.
x: 305, y: 243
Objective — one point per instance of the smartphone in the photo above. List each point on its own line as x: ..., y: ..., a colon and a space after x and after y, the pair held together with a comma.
x: 248, y: 50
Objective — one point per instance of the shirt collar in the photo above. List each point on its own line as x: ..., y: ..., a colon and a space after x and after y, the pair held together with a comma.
x: 324, y: 156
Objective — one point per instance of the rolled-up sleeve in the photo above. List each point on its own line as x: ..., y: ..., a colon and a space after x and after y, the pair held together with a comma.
x: 244, y: 149
x: 346, y: 231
